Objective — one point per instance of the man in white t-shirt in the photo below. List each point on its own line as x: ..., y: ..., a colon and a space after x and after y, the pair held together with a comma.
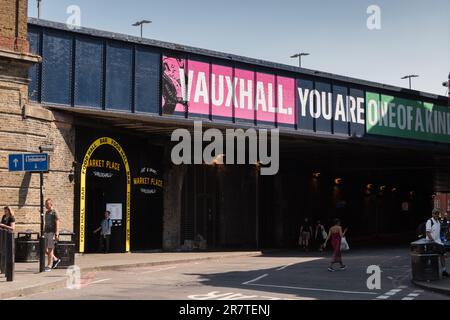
x: 433, y: 229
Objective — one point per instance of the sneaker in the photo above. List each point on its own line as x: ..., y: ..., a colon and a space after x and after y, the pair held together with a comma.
x: 56, y: 263
x: 343, y: 267
x: 47, y: 269
x: 445, y: 274
x: 331, y: 270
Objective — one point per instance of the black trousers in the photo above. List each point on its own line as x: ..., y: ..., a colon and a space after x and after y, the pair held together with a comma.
x: 104, y: 243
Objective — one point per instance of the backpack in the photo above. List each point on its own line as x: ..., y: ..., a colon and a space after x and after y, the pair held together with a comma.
x: 422, y: 229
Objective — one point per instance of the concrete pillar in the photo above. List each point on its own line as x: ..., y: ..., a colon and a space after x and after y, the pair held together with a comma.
x: 279, y: 211
x: 173, y: 185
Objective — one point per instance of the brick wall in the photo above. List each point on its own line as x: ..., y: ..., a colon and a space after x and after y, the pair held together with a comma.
x: 24, y: 127
x: 13, y: 25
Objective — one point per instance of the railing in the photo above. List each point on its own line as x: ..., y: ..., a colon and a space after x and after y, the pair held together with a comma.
x: 7, y: 254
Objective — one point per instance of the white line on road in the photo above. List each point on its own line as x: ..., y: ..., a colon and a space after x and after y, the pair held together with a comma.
x: 98, y: 281
x: 389, y: 294
x: 284, y: 267
x: 254, y: 280
x: 413, y: 295
x: 305, y: 289
x: 408, y: 298
x: 157, y: 270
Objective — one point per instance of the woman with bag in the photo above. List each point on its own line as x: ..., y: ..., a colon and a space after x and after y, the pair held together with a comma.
x: 336, y: 235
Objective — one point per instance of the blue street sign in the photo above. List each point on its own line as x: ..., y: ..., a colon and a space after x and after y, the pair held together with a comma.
x: 36, y: 162
x: 15, y: 162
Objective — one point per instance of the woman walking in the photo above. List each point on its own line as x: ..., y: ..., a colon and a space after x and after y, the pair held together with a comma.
x: 8, y: 219
x: 336, y: 235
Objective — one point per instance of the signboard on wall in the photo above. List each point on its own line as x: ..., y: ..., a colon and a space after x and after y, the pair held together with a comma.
x: 203, y: 89
x: 116, y: 211
x: 198, y: 88
x: 412, y: 119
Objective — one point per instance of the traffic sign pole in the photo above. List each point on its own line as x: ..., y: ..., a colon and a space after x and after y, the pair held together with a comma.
x: 42, y: 239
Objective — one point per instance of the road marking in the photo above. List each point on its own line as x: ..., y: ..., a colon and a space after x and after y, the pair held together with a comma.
x: 98, y: 281
x: 217, y: 295
x: 389, y: 294
x: 284, y: 267
x: 412, y: 296
x: 305, y: 289
x: 157, y: 270
x: 254, y: 280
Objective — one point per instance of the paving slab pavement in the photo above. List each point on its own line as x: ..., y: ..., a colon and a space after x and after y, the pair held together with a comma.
x: 27, y: 279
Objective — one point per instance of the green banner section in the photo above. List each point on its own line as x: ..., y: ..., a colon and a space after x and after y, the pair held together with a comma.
x: 403, y: 118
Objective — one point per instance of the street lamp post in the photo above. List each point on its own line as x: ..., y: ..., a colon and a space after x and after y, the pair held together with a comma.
x: 409, y: 77
x: 39, y: 8
x: 299, y: 56
x: 141, y: 24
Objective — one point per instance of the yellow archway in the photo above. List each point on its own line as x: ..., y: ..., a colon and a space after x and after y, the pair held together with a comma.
x: 87, y: 157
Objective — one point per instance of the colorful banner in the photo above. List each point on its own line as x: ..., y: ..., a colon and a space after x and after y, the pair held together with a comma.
x: 396, y: 117
x: 200, y: 88
x: 196, y: 88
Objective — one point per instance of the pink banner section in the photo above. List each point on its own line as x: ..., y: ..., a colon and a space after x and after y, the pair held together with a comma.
x: 198, y: 84
x: 265, y: 97
x: 286, y: 100
x: 243, y: 102
x: 222, y: 91
x: 201, y: 86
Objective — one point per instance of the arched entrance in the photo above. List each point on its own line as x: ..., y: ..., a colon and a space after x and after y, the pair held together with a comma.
x: 93, y: 199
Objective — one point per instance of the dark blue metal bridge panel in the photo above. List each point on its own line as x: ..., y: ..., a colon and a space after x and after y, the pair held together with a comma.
x: 88, y: 72
x: 119, y: 76
x: 147, y: 86
x: 34, y: 86
x: 57, y: 67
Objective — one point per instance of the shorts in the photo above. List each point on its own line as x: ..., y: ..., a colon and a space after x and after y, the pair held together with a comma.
x: 306, y: 236
x: 50, y: 240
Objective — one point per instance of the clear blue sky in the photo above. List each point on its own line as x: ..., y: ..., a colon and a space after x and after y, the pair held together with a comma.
x: 414, y: 35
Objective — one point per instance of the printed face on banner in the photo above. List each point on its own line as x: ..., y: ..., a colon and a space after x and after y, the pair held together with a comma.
x: 172, y: 85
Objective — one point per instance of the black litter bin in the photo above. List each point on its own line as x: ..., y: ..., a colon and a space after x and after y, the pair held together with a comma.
x: 425, y: 260
x: 27, y: 247
x: 65, y: 250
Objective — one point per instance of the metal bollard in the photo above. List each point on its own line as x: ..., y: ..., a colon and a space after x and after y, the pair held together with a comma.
x: 9, y: 270
x: 41, y: 254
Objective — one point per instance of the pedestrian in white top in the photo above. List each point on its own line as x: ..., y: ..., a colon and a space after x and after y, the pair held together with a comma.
x: 433, y: 229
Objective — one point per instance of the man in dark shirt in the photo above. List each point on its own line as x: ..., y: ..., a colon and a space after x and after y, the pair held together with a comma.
x: 51, y: 234
x: 305, y: 234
